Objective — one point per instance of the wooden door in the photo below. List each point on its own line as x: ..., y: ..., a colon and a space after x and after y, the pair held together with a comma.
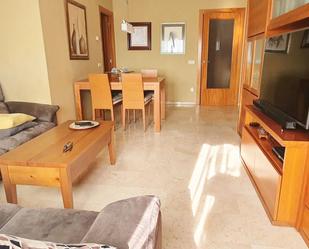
x: 222, y: 44
x: 108, y: 39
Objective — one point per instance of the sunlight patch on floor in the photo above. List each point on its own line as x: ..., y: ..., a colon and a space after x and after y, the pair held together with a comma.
x: 199, y: 234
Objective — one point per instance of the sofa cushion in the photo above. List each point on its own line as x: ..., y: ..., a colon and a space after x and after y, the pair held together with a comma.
x: 42, y: 112
x: 11, y: 120
x: 3, y: 108
x: 9, y: 143
x: 9, y: 241
x: 14, y: 130
x: 7, y: 211
x: 56, y: 225
x: 127, y: 224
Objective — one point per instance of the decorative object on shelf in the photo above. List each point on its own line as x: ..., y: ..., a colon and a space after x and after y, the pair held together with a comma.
x: 140, y: 38
x: 305, y: 42
x: 126, y: 27
x: 278, y: 44
x: 262, y: 133
x: 173, y: 38
x: 77, y: 30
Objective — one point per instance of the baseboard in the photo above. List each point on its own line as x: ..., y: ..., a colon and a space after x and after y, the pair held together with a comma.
x: 181, y: 104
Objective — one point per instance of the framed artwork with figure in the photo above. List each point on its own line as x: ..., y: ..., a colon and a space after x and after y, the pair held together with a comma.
x: 173, y: 38
x: 77, y: 30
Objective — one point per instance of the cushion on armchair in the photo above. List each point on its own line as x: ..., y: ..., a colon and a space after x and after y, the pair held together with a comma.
x: 8, y: 241
x: 12, y: 120
x: 14, y: 130
x: 128, y: 224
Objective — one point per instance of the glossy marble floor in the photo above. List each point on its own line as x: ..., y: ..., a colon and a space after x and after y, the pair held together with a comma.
x: 193, y: 165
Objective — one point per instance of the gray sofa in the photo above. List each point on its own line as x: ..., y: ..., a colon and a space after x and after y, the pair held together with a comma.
x: 46, y: 119
x: 133, y: 223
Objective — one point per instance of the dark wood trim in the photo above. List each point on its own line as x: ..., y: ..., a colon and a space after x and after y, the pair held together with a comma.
x: 105, y: 11
x: 76, y: 57
x: 140, y: 24
x: 110, y: 14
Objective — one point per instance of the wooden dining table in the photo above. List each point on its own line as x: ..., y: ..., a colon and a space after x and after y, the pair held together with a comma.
x: 150, y: 84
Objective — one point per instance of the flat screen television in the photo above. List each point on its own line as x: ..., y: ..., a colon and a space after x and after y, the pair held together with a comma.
x: 284, y: 92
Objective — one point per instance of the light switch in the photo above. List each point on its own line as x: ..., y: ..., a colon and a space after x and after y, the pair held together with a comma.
x: 99, y: 65
x: 97, y: 38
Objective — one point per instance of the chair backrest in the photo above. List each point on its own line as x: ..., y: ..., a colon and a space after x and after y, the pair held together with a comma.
x: 149, y: 73
x: 132, y: 91
x: 101, y: 95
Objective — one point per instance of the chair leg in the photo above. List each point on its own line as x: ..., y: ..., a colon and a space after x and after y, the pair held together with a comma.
x: 124, y: 118
x: 93, y: 114
x: 113, y: 117
x: 149, y: 113
x: 144, y: 118
x: 134, y: 116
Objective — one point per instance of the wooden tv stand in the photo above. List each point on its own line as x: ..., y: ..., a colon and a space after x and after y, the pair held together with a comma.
x: 280, y: 185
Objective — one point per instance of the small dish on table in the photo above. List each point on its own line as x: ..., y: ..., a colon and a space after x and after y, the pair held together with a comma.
x: 83, y: 125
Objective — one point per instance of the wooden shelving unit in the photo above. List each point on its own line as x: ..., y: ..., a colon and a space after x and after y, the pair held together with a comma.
x: 279, y: 184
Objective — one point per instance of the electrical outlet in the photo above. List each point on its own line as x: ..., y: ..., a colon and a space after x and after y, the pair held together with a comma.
x: 99, y: 65
x: 191, y: 62
x: 191, y: 89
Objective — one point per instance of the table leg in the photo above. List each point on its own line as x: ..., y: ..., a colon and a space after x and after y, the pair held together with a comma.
x: 111, y: 149
x: 157, y: 109
x: 78, y: 103
x: 10, y: 189
x: 66, y: 188
x: 163, y: 101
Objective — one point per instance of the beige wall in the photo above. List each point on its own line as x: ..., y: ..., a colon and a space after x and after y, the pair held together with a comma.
x: 62, y: 71
x: 23, y: 71
x: 181, y: 76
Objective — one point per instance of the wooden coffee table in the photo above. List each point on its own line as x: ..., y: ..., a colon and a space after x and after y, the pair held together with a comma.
x: 42, y: 162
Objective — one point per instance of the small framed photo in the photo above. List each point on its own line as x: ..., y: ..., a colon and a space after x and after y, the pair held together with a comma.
x: 140, y: 39
x: 278, y: 44
x: 305, y: 42
x: 77, y: 30
x: 173, y: 40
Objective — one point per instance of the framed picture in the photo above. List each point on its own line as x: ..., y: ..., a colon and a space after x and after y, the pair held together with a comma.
x: 173, y: 38
x: 278, y: 44
x: 305, y: 42
x: 77, y: 31
x: 140, y: 39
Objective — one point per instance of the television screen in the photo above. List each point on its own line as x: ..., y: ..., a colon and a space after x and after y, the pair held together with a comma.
x: 285, y: 77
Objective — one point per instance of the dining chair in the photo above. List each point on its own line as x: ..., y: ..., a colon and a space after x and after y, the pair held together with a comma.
x: 134, y: 97
x: 101, y: 95
x: 149, y: 73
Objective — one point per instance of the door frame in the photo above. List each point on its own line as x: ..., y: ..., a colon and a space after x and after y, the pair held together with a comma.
x: 110, y: 15
x: 241, y: 40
